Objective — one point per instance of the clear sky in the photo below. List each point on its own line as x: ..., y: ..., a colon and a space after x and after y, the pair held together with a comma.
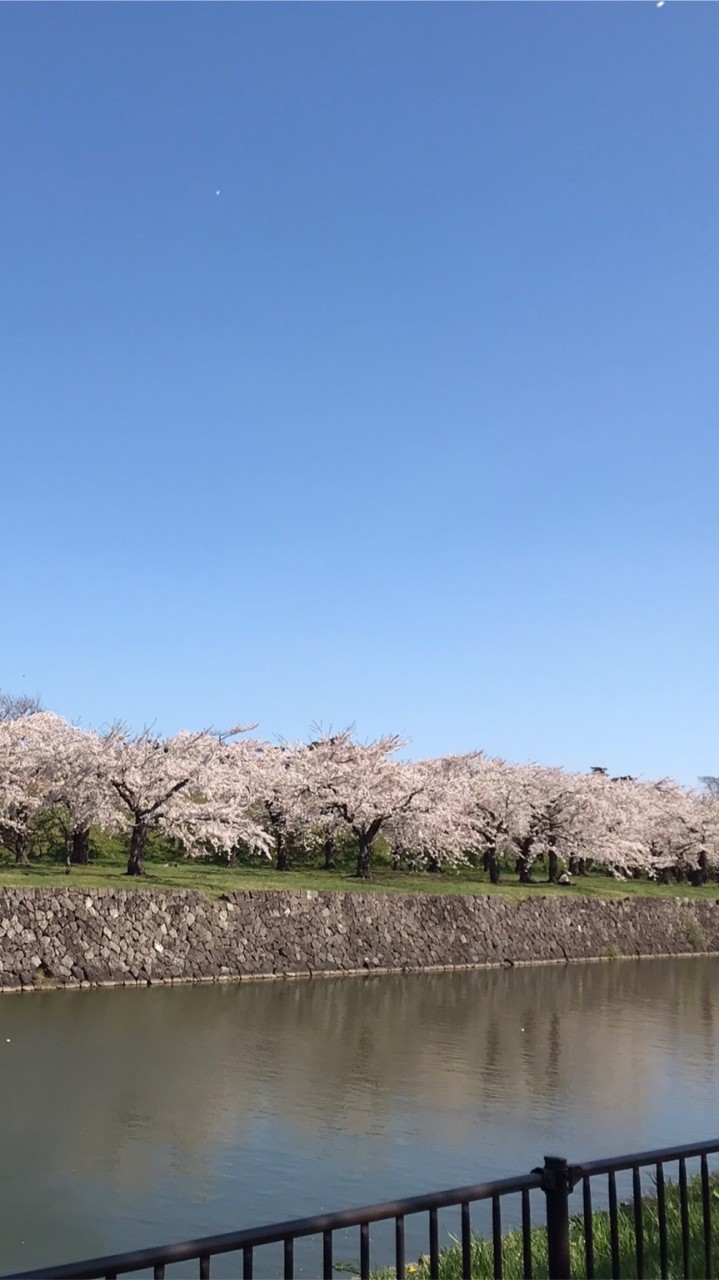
x: 414, y: 425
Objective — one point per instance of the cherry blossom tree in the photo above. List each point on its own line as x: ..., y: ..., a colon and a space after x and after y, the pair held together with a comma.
x: 707, y: 821
x: 491, y: 807
x: 68, y: 759
x: 433, y: 831
x: 526, y: 827
x: 23, y: 782
x: 363, y: 785
x: 187, y: 786
x: 281, y: 798
x: 680, y: 829
x: 557, y: 817
x: 608, y: 827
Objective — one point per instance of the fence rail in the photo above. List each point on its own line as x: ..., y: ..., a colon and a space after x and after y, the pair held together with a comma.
x: 556, y: 1179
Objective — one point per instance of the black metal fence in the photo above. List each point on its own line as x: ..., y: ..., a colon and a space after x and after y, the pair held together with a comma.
x: 560, y: 1242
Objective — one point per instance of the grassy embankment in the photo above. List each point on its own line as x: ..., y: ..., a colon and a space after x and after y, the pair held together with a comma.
x: 168, y: 868
x: 107, y: 870
x: 512, y: 1255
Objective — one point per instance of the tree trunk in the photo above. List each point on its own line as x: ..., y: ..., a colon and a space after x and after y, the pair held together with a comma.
x: 17, y: 841
x: 364, y: 858
x: 553, y: 865
x: 329, y: 852
x: 523, y: 865
x: 577, y: 866
x: 138, y: 840
x: 80, y: 846
x: 700, y: 875
x: 283, y: 861
x: 491, y: 864
x: 21, y: 855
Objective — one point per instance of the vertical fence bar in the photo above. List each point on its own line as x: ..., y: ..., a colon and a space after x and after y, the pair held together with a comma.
x: 158, y: 1271
x: 434, y: 1246
x: 247, y: 1262
x: 707, y: 1219
x: 399, y: 1246
x: 364, y: 1251
x: 684, y: 1211
x: 614, y: 1224
x: 289, y: 1258
x: 526, y: 1236
x: 662, y: 1216
x: 497, y: 1237
x: 466, y: 1244
x: 327, y: 1268
x: 638, y: 1220
x: 204, y: 1266
x: 555, y: 1184
x: 588, y: 1227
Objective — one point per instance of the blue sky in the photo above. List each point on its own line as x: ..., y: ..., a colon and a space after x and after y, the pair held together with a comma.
x: 414, y: 425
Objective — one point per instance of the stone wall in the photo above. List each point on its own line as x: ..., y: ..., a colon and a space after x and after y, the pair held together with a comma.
x: 88, y: 937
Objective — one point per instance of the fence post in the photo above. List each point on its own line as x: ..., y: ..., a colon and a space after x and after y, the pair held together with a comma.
x: 556, y: 1185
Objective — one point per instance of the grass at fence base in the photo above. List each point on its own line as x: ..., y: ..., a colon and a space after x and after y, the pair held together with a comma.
x: 512, y: 1249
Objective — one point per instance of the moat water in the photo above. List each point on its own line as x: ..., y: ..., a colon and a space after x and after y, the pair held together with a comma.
x: 136, y: 1117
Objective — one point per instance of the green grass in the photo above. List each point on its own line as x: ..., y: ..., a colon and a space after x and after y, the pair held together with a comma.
x: 512, y: 1254
x: 212, y: 879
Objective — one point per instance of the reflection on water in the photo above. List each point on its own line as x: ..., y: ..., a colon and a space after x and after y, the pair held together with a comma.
x: 137, y: 1116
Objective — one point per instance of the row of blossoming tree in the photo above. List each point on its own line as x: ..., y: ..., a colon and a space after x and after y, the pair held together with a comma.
x: 219, y: 793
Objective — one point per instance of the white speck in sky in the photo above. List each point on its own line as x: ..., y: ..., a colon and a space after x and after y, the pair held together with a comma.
x: 217, y: 192
x: 660, y: 4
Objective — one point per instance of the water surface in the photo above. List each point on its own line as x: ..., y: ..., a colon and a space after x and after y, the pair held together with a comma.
x: 138, y: 1116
